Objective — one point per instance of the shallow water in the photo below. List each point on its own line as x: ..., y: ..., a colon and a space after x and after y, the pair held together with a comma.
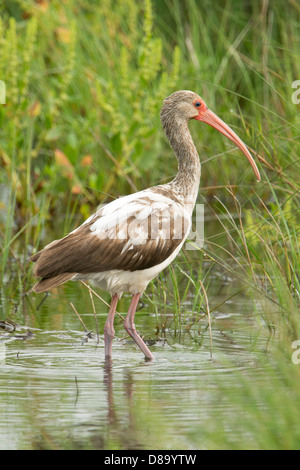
x: 56, y: 392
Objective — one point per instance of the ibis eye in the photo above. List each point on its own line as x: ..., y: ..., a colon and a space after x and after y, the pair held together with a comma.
x: 197, y: 104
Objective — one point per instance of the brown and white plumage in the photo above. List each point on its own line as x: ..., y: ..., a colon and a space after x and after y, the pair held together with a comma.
x: 135, y: 233
x: 127, y: 242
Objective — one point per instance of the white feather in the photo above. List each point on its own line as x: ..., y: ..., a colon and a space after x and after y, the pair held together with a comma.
x: 140, y: 205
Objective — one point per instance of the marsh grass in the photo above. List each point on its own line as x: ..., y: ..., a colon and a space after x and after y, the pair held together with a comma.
x: 81, y: 126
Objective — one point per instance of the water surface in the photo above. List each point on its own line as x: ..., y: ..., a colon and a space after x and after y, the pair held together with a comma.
x: 56, y: 392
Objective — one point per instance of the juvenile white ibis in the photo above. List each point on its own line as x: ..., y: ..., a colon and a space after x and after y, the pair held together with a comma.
x: 126, y: 243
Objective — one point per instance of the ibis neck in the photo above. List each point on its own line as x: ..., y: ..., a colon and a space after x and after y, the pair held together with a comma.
x: 186, y: 182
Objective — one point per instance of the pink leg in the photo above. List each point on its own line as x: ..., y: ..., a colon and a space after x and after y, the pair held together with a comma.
x: 109, y: 331
x: 130, y: 327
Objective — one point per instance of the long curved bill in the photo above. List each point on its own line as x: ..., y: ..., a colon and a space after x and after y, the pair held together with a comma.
x: 214, y: 121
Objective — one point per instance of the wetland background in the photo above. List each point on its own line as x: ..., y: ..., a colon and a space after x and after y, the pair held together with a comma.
x: 80, y: 126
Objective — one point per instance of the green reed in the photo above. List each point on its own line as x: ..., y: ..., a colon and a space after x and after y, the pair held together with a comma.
x: 85, y: 81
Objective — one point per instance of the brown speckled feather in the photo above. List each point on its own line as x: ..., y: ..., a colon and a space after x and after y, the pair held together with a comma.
x: 135, y: 243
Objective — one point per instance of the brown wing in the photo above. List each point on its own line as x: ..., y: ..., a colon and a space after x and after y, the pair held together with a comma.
x: 136, y: 242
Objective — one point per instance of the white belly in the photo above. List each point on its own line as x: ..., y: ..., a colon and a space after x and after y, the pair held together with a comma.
x: 117, y: 281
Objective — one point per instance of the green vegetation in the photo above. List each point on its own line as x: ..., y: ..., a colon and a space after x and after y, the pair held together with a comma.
x: 84, y: 85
